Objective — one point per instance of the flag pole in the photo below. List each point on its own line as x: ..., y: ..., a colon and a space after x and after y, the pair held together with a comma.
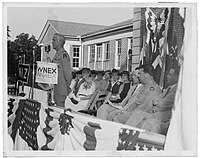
x: 33, y: 75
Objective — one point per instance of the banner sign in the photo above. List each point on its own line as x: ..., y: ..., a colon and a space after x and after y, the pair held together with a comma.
x: 47, y: 73
x: 24, y: 70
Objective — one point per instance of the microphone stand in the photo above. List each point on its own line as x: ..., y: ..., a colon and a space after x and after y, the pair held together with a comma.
x: 33, y: 77
x: 49, y: 92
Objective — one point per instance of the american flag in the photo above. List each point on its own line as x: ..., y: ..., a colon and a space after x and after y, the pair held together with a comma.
x: 127, y: 139
x: 162, y: 40
x: 60, y: 129
x: 154, y: 42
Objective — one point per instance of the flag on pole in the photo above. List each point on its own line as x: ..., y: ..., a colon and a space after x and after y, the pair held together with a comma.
x: 154, y: 42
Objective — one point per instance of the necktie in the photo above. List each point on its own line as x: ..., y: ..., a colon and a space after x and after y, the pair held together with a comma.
x: 167, y: 91
x: 78, y: 86
x: 134, y: 90
x: 109, y: 86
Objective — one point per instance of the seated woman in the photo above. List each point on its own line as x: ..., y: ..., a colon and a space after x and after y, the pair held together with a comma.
x: 101, y: 90
x: 78, y: 101
x: 111, y: 103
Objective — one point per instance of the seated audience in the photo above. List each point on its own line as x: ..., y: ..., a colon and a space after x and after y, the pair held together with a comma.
x: 93, y: 75
x: 158, y: 118
x: 100, y: 85
x: 140, y: 100
x: 103, y: 92
x: 113, y: 86
x: 76, y: 80
x: 112, y: 100
x: 78, y: 100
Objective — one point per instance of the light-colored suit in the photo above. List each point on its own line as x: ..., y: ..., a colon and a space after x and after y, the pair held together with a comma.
x: 158, y: 118
x: 105, y: 109
x: 142, y: 100
x: 62, y: 89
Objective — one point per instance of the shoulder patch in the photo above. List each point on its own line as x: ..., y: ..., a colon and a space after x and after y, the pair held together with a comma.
x: 151, y: 88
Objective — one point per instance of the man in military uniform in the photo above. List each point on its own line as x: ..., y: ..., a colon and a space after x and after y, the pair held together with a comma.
x: 62, y: 88
x: 157, y: 120
x: 141, y: 100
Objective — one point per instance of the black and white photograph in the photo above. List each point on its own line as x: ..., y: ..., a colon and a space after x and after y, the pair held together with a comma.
x: 99, y: 79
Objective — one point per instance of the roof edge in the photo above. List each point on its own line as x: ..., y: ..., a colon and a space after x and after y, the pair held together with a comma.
x: 104, y: 31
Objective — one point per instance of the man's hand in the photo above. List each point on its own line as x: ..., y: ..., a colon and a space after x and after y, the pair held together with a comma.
x: 50, y: 87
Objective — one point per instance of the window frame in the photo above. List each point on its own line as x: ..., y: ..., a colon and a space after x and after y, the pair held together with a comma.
x: 75, y: 63
x: 99, y: 52
x: 107, y: 51
x: 119, y: 51
x: 92, y: 54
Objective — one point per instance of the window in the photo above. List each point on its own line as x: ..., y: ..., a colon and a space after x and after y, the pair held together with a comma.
x: 119, y: 51
x: 92, y: 52
x: 107, y: 51
x: 76, y: 55
x: 99, y: 52
x: 131, y: 43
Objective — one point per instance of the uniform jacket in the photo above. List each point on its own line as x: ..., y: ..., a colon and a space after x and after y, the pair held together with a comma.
x: 143, y: 99
x: 165, y: 104
x: 64, y: 72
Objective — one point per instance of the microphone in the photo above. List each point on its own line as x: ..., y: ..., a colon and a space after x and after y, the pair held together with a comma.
x: 47, y: 48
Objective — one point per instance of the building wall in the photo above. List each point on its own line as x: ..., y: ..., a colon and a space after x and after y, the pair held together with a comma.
x: 124, y: 56
x: 112, y: 54
x: 85, y: 56
x: 129, y: 32
x: 108, y: 64
x: 136, y: 37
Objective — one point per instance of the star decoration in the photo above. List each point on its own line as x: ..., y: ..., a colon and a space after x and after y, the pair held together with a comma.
x: 145, y: 148
x: 127, y: 131
x: 154, y: 149
x: 121, y: 130
x: 137, y: 147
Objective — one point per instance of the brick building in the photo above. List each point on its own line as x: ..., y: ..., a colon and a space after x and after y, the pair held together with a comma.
x: 97, y: 46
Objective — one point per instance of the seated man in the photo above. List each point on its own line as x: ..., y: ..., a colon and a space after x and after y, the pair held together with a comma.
x: 113, y: 100
x: 157, y: 119
x: 142, y: 99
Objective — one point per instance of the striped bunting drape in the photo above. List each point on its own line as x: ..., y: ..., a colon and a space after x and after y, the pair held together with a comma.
x: 72, y: 131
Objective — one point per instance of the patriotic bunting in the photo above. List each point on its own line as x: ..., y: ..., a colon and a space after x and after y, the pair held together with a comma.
x: 53, y: 128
